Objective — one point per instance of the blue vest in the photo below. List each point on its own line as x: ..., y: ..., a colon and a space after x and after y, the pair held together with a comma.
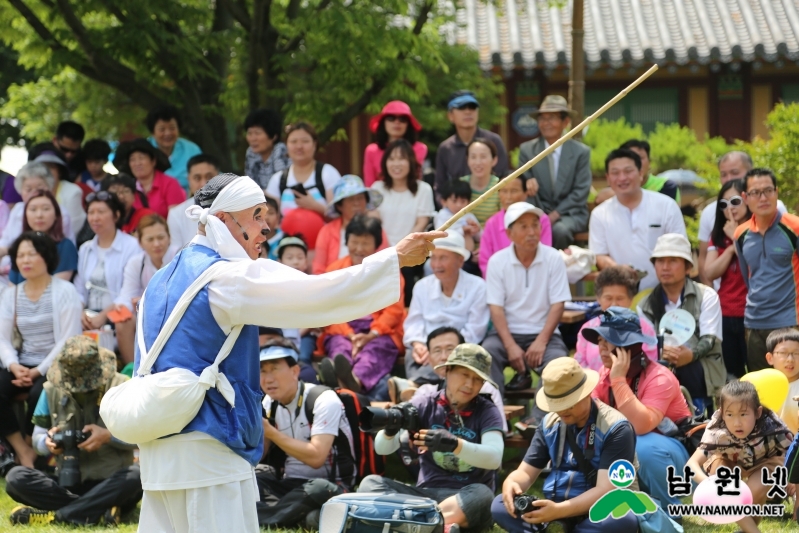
x: 194, y: 344
x: 566, y: 481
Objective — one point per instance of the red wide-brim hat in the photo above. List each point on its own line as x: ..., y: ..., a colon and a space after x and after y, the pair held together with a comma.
x: 395, y: 107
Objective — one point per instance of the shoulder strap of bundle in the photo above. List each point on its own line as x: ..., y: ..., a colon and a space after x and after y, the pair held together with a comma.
x: 148, y: 358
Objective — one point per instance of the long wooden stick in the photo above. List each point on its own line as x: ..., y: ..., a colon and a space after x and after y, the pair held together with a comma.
x: 552, y: 147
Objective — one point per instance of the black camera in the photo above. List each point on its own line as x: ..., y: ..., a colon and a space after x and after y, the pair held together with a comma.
x: 68, y: 440
x: 523, y: 504
x: 395, y: 418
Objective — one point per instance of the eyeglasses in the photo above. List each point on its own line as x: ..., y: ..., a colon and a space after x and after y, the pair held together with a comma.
x: 787, y: 355
x: 735, y: 201
x: 395, y: 118
x: 469, y: 106
x: 103, y: 196
x: 768, y: 192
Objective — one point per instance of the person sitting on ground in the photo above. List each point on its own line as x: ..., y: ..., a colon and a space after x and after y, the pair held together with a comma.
x: 124, y: 187
x: 645, y: 392
x: 361, y: 352
x: 200, y: 169
x: 448, y: 297
x: 275, y: 234
x: 265, y: 154
x: 292, y: 251
x: 615, y: 286
x: 721, y: 263
x: 44, y: 311
x: 95, y: 152
x: 623, y: 230
x: 350, y: 198
x: 395, y: 121
x: 525, y: 317
x: 268, y: 337
x: 743, y: 433
x: 698, y: 364
x: 460, y: 445
x: 561, y: 184
x: 164, y: 125
x: 456, y: 195
x: 568, y: 492
x: 43, y: 214
x: 148, y: 165
x: 109, y: 483
x: 783, y: 355
x: 307, y: 463
x: 494, y: 237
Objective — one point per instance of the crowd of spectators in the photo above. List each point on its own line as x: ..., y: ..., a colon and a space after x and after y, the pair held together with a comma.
x: 480, y: 321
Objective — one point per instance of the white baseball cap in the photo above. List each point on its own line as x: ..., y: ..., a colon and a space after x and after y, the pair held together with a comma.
x: 454, y: 243
x: 518, y: 209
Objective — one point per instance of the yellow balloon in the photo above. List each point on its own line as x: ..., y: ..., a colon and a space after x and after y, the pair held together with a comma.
x: 771, y: 385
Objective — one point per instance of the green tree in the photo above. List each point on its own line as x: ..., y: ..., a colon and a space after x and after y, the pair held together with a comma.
x: 323, y: 60
x: 780, y: 152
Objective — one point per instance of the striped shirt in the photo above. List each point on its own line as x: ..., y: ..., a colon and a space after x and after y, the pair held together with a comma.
x: 35, y: 323
x: 770, y: 268
x: 487, y: 209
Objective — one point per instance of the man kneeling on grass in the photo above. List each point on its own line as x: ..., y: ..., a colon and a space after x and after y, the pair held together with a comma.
x: 461, y: 445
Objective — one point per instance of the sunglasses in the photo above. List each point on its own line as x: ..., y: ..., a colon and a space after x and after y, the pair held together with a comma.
x: 103, y: 196
x: 469, y: 106
x: 395, y: 118
x: 735, y: 201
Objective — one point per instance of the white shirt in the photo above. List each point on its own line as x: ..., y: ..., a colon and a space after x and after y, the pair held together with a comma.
x: 181, y: 228
x: 709, y: 312
x: 70, y: 197
x: 328, y: 419
x: 400, y: 210
x: 138, y: 273
x: 555, y: 158
x: 330, y: 176
x: 526, y: 294
x: 13, y: 227
x: 708, y: 219
x: 445, y: 214
x: 118, y: 255
x: 629, y: 236
x: 295, y: 300
x: 466, y: 310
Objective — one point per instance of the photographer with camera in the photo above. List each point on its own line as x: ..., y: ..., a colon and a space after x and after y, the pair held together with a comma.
x: 97, y: 480
x: 581, y: 437
x: 459, y: 435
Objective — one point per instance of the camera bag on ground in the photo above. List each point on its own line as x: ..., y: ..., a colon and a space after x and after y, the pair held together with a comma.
x: 366, y: 460
x: 380, y: 513
x: 151, y: 406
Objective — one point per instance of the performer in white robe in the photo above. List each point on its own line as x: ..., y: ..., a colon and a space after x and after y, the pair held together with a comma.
x: 201, y: 480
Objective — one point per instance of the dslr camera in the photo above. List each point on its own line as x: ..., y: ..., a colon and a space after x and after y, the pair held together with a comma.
x: 395, y: 418
x: 523, y: 504
x: 68, y: 440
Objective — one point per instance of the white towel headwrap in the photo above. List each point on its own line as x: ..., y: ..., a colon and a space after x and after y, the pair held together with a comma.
x: 242, y: 193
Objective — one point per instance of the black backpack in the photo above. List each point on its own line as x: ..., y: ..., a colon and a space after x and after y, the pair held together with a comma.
x: 366, y: 460
x: 320, y: 185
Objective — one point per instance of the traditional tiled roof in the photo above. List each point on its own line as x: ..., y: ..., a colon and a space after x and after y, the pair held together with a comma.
x: 618, y: 33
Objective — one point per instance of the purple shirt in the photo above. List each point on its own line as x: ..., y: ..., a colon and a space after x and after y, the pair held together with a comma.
x: 9, y: 193
x: 446, y: 470
x: 495, y: 238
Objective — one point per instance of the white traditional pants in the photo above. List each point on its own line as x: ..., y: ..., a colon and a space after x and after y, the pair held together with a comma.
x: 216, y: 509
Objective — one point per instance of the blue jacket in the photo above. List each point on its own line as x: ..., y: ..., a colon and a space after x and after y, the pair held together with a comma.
x: 194, y: 345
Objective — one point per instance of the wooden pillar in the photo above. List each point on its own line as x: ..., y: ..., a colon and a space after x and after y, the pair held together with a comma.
x: 355, y: 146
x: 698, y: 116
x: 577, y: 67
x: 761, y: 105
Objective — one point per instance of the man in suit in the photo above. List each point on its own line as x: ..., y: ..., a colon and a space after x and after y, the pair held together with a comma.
x: 560, y: 184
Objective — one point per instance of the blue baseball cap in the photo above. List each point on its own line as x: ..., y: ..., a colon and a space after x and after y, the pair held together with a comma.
x: 461, y: 100
x: 619, y: 326
x: 270, y: 353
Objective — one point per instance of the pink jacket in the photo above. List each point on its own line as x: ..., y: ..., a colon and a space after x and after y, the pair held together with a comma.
x: 495, y: 239
x: 373, y: 155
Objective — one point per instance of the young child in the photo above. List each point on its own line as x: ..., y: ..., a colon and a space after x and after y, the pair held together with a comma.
x: 95, y: 153
x: 742, y: 433
x: 615, y: 285
x: 783, y: 355
x: 292, y: 251
x: 275, y: 233
x: 455, y: 195
x: 494, y: 237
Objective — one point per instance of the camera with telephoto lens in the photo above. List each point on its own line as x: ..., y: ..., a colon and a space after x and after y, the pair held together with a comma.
x: 393, y: 419
x: 68, y: 440
x: 523, y: 504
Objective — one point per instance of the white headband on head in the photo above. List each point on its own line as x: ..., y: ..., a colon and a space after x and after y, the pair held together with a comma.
x: 242, y: 193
